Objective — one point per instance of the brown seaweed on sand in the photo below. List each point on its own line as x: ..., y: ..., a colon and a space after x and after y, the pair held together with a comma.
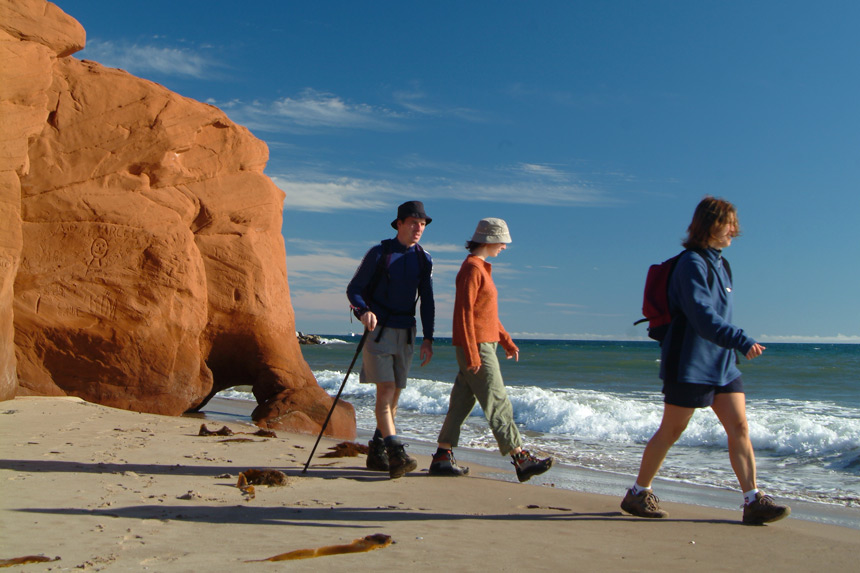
x: 249, y: 478
x: 369, y: 543
x: 225, y: 431
x: 346, y: 450
x: 27, y: 559
x: 265, y: 433
x: 262, y: 477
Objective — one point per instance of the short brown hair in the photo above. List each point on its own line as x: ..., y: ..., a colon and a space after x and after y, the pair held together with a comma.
x: 710, y: 213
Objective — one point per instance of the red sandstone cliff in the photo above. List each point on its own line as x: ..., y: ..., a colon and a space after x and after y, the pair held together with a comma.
x: 141, y: 261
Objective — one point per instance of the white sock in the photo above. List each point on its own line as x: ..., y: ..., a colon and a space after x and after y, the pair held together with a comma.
x: 749, y: 496
x: 637, y: 489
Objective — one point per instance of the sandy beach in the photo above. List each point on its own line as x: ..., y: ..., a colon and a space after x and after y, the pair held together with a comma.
x: 111, y: 490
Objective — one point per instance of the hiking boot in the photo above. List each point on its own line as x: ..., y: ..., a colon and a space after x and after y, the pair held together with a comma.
x: 399, y: 462
x: 527, y: 465
x: 646, y: 504
x: 444, y: 464
x: 764, y: 510
x: 377, y: 457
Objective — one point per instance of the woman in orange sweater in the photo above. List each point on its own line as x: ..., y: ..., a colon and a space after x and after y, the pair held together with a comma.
x: 477, y: 332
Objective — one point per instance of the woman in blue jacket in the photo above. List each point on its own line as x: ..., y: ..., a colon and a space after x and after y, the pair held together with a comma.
x: 698, y: 363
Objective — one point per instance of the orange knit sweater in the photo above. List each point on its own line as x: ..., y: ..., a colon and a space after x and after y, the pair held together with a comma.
x: 476, y: 311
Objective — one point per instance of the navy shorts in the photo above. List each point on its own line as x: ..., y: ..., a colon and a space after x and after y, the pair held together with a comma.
x: 688, y: 395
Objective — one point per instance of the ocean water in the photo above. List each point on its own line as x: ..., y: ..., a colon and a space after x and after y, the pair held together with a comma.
x: 594, y: 405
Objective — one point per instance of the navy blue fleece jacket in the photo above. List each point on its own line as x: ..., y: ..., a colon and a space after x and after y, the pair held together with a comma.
x: 706, y: 355
x: 393, y: 299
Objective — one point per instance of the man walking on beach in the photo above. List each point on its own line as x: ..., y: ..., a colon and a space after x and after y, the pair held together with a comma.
x: 393, y: 276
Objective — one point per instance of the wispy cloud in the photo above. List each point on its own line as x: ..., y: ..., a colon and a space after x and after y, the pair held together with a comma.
x: 444, y: 247
x: 533, y: 193
x: 342, y: 193
x: 537, y: 184
x: 543, y: 171
x: 521, y: 183
x: 311, y: 111
x: 313, y: 108
x: 414, y: 101
x: 419, y: 103
x: 321, y: 269
x: 145, y: 59
x: 318, y: 273
x: 531, y: 184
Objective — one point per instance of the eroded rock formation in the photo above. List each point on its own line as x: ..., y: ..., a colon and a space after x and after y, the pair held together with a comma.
x: 141, y: 253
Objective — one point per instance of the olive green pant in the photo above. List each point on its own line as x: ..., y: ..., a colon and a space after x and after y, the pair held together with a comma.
x: 488, y: 389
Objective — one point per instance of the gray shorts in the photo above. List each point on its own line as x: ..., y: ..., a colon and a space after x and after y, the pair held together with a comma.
x: 389, y: 359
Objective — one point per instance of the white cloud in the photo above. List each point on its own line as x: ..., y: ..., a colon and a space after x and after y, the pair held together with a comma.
x: 523, y: 183
x: 326, y: 304
x: 321, y: 264
x: 315, y: 191
x: 534, y: 184
x: 414, y: 101
x: 311, y: 111
x: 533, y: 194
x: 340, y: 193
x: 434, y: 248
x: 312, y: 108
x: 318, y: 283
x: 544, y: 171
x: 141, y: 60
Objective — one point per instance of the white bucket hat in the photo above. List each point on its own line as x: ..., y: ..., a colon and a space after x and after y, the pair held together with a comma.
x: 491, y: 230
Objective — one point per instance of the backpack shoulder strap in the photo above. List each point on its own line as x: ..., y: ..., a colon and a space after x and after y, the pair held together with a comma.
x: 381, y: 266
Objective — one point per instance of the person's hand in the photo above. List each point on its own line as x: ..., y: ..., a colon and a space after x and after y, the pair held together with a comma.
x: 515, y: 355
x: 368, y: 319
x: 755, y: 351
x: 474, y: 369
x: 426, y: 352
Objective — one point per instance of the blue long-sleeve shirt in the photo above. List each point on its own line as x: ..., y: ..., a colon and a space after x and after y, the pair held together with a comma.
x: 707, y: 353
x: 393, y: 299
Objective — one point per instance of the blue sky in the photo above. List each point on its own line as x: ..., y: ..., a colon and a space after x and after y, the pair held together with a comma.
x: 593, y: 128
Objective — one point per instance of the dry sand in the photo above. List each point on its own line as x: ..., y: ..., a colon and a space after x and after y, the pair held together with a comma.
x: 111, y: 490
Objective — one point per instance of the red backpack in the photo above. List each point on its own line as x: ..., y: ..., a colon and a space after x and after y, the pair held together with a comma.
x: 655, y: 302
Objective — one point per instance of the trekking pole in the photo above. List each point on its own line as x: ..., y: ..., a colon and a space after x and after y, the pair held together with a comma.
x: 348, y: 370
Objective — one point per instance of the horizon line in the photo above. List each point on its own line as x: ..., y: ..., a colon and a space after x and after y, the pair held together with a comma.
x: 839, y: 339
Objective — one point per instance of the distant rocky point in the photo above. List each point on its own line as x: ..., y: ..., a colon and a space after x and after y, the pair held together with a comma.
x: 309, y: 338
x: 141, y: 259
